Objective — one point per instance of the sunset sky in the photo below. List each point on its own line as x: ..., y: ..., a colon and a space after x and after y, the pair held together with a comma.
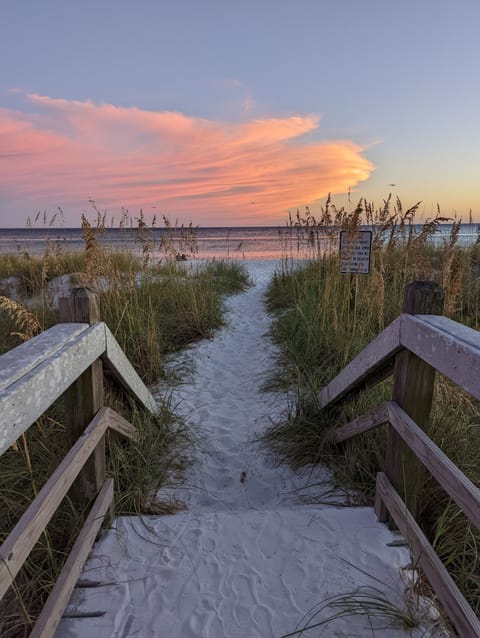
x: 233, y: 113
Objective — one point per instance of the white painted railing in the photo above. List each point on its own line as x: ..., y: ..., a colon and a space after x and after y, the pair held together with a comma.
x: 448, y: 346
x: 65, y: 360
x: 37, y: 373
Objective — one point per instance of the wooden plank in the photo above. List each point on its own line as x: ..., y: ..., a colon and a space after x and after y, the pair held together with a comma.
x: 27, y: 356
x: 459, y: 611
x: 374, y: 418
x: 365, y: 364
x: 82, y: 303
x: 379, y: 507
x: 84, y: 398
x: 24, y: 401
x: 423, y: 297
x: 453, y: 481
x: 27, y: 531
x: 462, y: 333
x: 116, y: 361
x: 450, y: 347
x: 82, y: 401
x: 60, y: 595
x: 380, y: 373
x: 122, y: 426
x: 413, y: 383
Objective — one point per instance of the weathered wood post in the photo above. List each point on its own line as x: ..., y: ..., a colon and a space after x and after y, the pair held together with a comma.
x: 84, y: 398
x: 413, y: 384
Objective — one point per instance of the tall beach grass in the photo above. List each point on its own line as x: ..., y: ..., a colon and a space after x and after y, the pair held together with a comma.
x: 155, y: 303
x: 323, y: 319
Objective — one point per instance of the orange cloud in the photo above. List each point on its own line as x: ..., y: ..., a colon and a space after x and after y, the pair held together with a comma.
x: 210, y: 172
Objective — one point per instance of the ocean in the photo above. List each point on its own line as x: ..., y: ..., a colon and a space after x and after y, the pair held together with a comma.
x: 252, y: 242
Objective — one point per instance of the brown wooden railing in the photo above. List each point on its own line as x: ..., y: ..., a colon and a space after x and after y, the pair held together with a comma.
x: 413, y: 347
x: 66, y: 360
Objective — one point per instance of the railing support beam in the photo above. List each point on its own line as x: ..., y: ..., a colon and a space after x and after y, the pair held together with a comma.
x: 413, y: 385
x: 84, y: 399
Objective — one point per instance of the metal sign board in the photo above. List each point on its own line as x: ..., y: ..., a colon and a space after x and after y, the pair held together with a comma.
x: 355, y: 252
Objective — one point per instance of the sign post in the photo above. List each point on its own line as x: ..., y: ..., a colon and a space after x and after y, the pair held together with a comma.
x: 355, y: 257
x: 355, y: 252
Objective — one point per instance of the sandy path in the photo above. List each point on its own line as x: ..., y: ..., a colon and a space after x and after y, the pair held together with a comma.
x: 249, y: 558
x: 224, y: 402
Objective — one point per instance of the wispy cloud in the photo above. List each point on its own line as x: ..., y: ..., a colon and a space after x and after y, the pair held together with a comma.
x: 208, y: 171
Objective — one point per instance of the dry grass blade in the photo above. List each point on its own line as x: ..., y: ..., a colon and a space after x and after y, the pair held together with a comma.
x: 26, y: 322
x: 153, y: 308
x: 321, y: 322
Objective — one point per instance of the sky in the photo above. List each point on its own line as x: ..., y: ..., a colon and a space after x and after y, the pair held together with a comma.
x: 226, y: 113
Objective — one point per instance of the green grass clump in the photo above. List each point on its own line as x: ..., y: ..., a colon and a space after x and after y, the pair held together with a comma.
x: 33, y: 272
x: 153, y: 303
x: 225, y: 276
x: 167, y: 310
x: 367, y: 602
x: 323, y: 319
x: 155, y: 460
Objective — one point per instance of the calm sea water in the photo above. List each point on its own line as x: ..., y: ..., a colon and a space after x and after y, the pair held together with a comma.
x: 243, y: 243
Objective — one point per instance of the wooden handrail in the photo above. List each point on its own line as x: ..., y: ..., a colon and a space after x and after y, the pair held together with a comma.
x: 65, y: 360
x: 25, y: 400
x: 458, y: 486
x: 448, y: 346
x: 38, y: 380
x: 457, y: 608
x: 421, y: 344
x: 366, y: 364
x: 21, y: 540
x: 53, y: 609
x: 117, y: 362
x: 18, y: 362
x: 359, y: 425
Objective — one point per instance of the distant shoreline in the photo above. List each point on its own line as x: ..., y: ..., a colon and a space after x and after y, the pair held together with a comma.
x: 245, y: 242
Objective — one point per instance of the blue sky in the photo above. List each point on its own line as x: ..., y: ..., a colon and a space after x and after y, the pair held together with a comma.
x: 165, y: 105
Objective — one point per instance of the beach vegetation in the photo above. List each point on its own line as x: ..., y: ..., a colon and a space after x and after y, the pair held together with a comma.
x: 154, y: 303
x: 367, y: 602
x: 322, y: 319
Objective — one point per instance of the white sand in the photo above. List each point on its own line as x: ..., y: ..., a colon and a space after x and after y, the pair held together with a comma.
x: 249, y: 558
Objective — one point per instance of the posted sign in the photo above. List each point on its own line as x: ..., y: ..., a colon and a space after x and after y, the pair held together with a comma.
x: 355, y: 252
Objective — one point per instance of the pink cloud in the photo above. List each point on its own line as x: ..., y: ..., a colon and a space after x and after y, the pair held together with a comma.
x: 193, y: 168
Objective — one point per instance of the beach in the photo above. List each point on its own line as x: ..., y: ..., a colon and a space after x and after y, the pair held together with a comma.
x: 251, y: 555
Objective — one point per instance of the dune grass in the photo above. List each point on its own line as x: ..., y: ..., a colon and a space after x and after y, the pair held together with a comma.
x: 154, y: 305
x: 322, y: 319
x: 152, y: 302
x: 368, y: 602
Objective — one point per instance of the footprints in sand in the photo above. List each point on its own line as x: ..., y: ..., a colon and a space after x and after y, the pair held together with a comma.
x: 223, y: 402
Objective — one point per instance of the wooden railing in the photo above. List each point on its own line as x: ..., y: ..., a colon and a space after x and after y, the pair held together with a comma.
x: 68, y: 360
x: 413, y: 347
